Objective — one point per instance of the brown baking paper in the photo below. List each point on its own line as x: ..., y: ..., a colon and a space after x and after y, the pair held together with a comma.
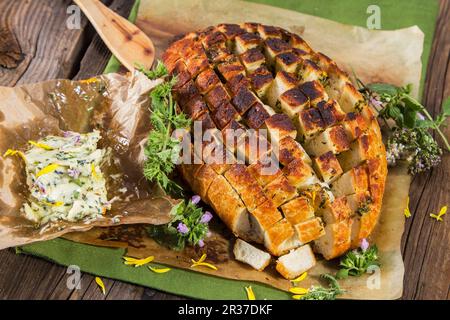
x: 385, y: 56
x: 115, y: 105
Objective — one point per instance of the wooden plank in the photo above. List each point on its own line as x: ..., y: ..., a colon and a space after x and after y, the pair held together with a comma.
x: 425, y: 242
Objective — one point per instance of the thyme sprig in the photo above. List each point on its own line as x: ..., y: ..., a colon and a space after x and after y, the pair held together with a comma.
x: 162, y: 150
x: 410, y: 139
x: 321, y: 293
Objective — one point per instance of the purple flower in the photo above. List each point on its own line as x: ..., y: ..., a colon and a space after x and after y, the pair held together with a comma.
x: 74, y: 173
x: 364, y: 244
x: 375, y: 102
x: 182, y: 228
x: 206, y: 217
x: 201, y: 243
x: 195, y: 199
x: 67, y: 134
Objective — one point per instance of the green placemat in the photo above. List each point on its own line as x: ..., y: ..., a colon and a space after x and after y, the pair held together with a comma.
x: 107, y: 262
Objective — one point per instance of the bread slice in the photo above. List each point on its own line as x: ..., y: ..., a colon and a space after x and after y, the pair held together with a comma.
x: 251, y: 255
x: 296, y: 262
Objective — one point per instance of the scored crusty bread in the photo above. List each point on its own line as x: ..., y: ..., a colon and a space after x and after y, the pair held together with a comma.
x: 251, y: 255
x: 296, y: 262
x: 328, y: 185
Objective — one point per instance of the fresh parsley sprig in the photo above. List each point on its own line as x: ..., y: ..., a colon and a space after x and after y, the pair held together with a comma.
x: 356, y: 262
x: 321, y: 293
x: 162, y: 150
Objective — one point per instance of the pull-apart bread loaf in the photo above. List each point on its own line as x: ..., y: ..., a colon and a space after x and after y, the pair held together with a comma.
x: 328, y: 185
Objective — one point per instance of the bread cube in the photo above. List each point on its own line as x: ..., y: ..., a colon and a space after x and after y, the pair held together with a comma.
x: 281, y: 238
x: 257, y: 115
x: 327, y: 166
x: 331, y: 112
x: 292, y: 102
x: 332, y: 139
x: 265, y: 171
x: 263, y: 218
x: 267, y: 32
x: 336, y: 241
x: 246, y: 41
x: 293, y: 264
x: 289, y: 150
x: 355, y: 125
x: 251, y: 255
x: 309, y: 123
x: 298, y: 210
x: 280, y: 126
x: 353, y: 181
x: 280, y: 191
x: 237, y: 82
x: 217, y: 96
x: 273, y: 47
x: 335, y: 211
x: 309, y: 71
x: 309, y: 230
x: 300, y: 174
x: 207, y: 80
x: 261, y: 80
x: 351, y: 100
x: 252, y: 59
x: 223, y: 114
x: 283, y: 82
x: 242, y: 181
x: 297, y: 42
x: 314, y: 91
x: 231, y: 68
x: 243, y: 100
x: 360, y: 150
x: 287, y: 61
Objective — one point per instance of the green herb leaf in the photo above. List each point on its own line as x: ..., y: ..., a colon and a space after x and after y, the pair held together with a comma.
x: 383, y: 88
x: 321, y: 293
x: 356, y: 262
x: 446, y: 107
x: 162, y: 150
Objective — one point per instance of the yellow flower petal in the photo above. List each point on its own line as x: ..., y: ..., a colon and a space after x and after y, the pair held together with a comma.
x: 100, y: 284
x: 48, y: 169
x: 90, y: 80
x: 204, y: 264
x: 298, y: 296
x: 55, y: 204
x: 94, y: 171
x: 442, y: 212
x: 137, y: 262
x: 298, y: 290
x: 159, y: 270
x: 250, y: 293
x: 41, y: 145
x: 11, y: 152
x: 407, y: 212
x: 301, y: 277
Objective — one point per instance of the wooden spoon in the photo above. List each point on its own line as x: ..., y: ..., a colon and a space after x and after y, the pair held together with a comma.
x: 126, y: 41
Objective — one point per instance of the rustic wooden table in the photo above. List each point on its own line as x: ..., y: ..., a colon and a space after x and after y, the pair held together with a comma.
x: 48, y: 50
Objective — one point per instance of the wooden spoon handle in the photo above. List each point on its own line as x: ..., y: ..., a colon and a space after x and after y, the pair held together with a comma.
x: 126, y: 41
